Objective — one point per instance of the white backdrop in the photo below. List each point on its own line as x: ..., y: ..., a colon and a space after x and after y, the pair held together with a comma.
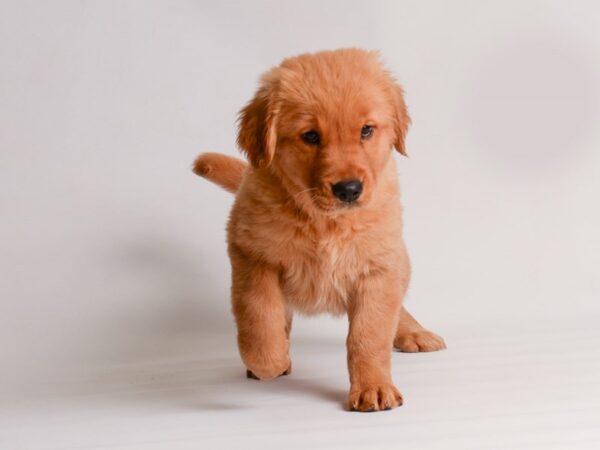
x: 113, y: 251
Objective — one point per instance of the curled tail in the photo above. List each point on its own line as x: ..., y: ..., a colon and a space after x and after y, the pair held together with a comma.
x: 223, y: 170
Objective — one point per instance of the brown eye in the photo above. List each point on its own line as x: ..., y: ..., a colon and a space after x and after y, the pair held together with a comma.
x: 311, y: 137
x: 366, y: 131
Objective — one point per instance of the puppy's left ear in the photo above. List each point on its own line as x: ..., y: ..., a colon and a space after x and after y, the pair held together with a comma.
x: 401, y: 118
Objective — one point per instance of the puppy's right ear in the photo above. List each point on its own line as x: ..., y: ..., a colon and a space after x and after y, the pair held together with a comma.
x: 257, y: 136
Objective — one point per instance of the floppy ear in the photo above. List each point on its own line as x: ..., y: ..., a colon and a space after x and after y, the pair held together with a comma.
x: 401, y: 118
x: 257, y: 135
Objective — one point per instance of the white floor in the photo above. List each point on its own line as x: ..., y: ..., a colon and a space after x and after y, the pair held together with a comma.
x: 535, y: 387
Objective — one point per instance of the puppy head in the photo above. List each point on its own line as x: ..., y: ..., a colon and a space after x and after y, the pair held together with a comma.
x: 325, y: 123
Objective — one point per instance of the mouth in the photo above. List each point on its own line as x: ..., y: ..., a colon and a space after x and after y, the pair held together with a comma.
x: 329, y: 204
x: 346, y: 205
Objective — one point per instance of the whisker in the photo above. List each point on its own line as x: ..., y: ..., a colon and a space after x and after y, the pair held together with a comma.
x: 302, y: 192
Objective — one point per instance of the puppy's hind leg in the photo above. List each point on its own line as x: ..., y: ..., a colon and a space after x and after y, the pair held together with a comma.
x: 261, y: 318
x: 411, y: 337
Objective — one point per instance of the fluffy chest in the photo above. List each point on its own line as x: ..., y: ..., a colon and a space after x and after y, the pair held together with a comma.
x: 320, y: 262
x: 319, y: 276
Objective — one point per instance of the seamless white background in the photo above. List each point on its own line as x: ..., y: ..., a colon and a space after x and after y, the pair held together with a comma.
x: 113, y: 252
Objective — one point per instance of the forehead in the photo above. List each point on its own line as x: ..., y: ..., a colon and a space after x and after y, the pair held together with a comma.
x: 328, y: 90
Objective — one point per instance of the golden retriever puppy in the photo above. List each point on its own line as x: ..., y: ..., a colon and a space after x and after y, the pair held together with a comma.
x: 317, y: 222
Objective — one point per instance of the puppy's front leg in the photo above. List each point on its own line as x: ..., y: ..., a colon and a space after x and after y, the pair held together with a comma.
x: 373, y: 314
x: 260, y: 314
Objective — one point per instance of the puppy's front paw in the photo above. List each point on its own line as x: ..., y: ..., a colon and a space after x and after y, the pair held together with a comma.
x: 268, y: 369
x: 374, y: 397
x: 419, y: 341
x: 250, y: 374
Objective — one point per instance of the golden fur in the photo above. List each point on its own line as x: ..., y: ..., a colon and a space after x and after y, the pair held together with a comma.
x: 293, y: 245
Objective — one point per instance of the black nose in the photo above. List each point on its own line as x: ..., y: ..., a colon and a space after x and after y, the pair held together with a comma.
x: 347, y: 191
